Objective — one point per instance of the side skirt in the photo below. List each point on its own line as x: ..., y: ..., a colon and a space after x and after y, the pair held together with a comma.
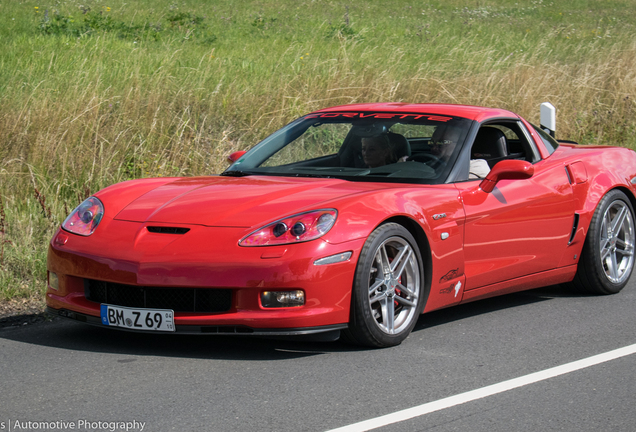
x: 537, y: 280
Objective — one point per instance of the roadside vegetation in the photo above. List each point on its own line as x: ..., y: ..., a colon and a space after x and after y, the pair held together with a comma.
x: 94, y: 92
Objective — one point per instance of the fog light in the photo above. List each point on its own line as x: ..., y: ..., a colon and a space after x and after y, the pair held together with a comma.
x: 53, y: 281
x: 276, y: 299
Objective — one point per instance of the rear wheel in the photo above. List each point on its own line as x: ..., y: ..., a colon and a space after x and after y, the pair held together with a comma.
x: 607, y: 260
x: 388, y: 294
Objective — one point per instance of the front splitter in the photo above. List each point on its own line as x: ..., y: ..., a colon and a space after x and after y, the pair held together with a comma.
x: 326, y: 333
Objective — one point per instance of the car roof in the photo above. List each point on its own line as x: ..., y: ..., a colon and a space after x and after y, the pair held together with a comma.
x: 466, y: 111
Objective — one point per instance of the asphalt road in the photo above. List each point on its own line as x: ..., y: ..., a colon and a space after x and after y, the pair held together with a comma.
x: 63, y: 371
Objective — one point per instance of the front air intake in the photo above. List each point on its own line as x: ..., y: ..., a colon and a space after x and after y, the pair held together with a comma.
x: 209, y: 300
x: 167, y: 230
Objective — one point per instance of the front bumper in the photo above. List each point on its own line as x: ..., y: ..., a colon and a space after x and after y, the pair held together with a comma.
x: 206, y: 258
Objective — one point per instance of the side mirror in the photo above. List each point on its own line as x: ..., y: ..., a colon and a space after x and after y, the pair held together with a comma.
x: 235, y: 156
x: 506, y: 170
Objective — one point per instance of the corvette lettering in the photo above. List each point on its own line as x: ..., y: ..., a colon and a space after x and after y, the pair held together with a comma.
x: 451, y: 288
x: 446, y: 290
x: 449, y: 276
x: 381, y: 116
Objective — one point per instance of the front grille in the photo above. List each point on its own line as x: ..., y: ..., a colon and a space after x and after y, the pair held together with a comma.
x: 177, y: 299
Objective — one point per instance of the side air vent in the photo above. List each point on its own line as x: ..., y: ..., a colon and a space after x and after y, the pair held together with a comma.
x: 567, y: 173
x: 167, y: 230
x: 575, y: 226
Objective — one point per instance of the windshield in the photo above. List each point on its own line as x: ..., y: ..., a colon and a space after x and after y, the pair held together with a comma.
x: 372, y: 146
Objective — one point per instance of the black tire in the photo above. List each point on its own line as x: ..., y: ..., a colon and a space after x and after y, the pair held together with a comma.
x: 385, y: 306
x: 607, y: 259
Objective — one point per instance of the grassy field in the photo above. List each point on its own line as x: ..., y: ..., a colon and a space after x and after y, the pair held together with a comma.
x: 93, y: 92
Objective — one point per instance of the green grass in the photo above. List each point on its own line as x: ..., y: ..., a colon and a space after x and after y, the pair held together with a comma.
x: 96, y: 92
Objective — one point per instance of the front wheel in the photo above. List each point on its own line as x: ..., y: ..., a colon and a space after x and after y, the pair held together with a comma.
x: 388, y: 291
x: 607, y: 259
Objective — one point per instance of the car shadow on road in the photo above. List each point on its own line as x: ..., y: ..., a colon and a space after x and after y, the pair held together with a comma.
x: 64, y: 334
x: 493, y: 304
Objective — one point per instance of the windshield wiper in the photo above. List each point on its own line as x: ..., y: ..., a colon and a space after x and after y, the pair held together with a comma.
x: 235, y: 173
x: 309, y: 175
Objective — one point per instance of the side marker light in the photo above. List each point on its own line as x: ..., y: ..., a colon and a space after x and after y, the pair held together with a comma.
x: 333, y: 259
x: 54, y: 282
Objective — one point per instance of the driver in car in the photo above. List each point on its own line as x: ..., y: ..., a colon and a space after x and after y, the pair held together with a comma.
x: 377, y: 151
x: 443, y: 143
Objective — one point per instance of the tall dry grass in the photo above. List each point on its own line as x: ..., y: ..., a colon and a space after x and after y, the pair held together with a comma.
x: 78, y: 114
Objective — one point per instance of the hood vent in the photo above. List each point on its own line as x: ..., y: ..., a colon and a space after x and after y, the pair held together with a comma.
x: 167, y: 230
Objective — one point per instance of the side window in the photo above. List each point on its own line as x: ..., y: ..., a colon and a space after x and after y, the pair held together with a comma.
x: 550, y: 143
x: 509, y: 133
x: 494, y: 142
x: 489, y: 148
x: 502, y: 140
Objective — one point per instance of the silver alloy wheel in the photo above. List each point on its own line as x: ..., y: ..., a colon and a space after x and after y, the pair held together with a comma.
x: 394, y: 285
x: 617, y: 242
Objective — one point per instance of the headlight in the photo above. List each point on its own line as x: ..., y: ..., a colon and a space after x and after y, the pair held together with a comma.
x: 298, y: 228
x: 85, y: 218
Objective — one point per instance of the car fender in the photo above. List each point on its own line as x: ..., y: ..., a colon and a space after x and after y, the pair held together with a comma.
x: 594, y: 172
x: 433, y: 214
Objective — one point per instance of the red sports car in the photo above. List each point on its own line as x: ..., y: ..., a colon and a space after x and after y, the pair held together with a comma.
x: 355, y: 218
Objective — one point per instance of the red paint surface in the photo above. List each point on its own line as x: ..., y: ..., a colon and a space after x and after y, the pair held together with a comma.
x: 513, y: 238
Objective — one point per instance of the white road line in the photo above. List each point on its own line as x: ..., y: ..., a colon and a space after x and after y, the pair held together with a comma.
x: 483, y: 392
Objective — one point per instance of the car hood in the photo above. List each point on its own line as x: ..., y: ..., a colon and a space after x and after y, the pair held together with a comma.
x: 236, y: 202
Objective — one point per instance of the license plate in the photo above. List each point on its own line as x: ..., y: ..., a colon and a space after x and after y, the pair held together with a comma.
x: 138, y: 319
